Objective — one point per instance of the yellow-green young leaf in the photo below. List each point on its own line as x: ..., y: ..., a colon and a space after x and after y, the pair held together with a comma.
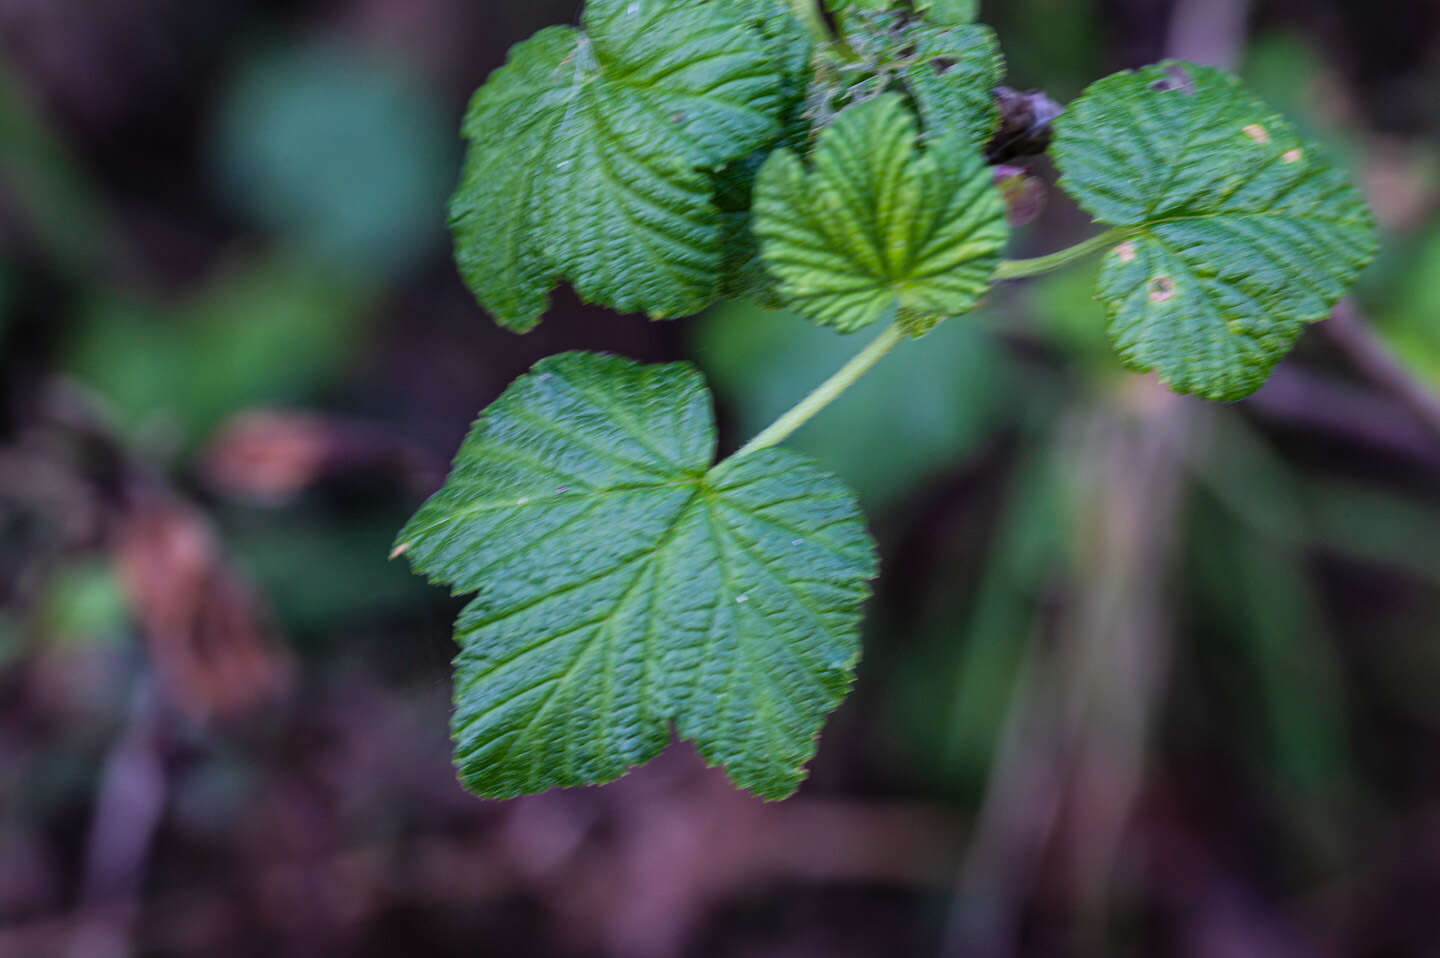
x: 624, y: 585
x: 1243, y: 232
x: 592, y: 155
x: 879, y: 227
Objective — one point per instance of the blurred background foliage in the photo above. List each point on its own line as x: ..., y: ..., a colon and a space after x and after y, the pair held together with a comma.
x: 1141, y: 677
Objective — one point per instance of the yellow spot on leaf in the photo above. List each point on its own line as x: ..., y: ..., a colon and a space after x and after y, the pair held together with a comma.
x: 1126, y: 251
x: 1295, y: 155
x: 1162, y: 288
x: 1257, y: 133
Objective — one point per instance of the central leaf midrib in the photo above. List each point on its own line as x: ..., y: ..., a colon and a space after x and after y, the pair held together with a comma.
x: 605, y: 625
x: 638, y: 557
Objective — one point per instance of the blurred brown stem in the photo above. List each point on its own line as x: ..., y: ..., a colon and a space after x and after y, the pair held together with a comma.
x: 1349, y: 333
x: 1208, y: 31
x: 127, y: 812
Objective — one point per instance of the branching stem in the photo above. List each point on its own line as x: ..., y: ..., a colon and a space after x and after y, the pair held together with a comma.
x: 1020, y: 268
x: 827, y: 392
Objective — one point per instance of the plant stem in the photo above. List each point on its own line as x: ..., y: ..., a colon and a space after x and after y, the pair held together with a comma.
x: 809, y: 13
x: 1020, y: 268
x: 827, y: 392
x: 826, y: 40
x: 1348, y: 331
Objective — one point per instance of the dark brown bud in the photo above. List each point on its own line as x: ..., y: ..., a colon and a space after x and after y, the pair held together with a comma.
x: 1026, y: 124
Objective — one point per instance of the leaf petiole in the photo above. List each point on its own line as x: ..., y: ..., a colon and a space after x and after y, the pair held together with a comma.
x: 863, y: 361
x: 827, y: 392
x: 809, y: 13
x: 1021, y: 268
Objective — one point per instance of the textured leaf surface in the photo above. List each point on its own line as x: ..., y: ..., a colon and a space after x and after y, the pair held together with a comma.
x: 623, y: 584
x: 784, y: 37
x: 1244, y: 232
x: 593, y: 151
x: 879, y: 227
x: 742, y: 273
x: 948, y: 67
x: 952, y: 76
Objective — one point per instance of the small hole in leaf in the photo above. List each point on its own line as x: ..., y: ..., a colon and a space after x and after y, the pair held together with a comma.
x: 943, y: 65
x: 1162, y: 289
x: 1176, y: 78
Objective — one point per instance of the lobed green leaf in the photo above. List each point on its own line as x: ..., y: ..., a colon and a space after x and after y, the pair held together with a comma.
x: 624, y: 585
x: 1243, y: 232
x: 593, y: 151
x: 879, y: 228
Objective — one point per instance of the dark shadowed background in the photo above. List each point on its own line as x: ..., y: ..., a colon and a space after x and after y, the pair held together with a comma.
x: 1142, y: 676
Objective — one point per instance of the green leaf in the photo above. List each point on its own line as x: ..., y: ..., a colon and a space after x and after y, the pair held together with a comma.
x: 952, y: 12
x: 305, y: 130
x: 952, y: 75
x: 593, y: 152
x: 786, y: 38
x: 1243, y: 231
x: 742, y: 272
x: 841, y: 6
x: 275, y: 331
x: 949, y: 70
x: 880, y: 228
x: 46, y: 187
x: 624, y: 585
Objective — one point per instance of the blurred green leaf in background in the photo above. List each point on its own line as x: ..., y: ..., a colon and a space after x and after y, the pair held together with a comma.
x: 1411, y: 320
x: 41, y: 180
x: 272, y: 331
x: 84, y: 602
x: 349, y: 160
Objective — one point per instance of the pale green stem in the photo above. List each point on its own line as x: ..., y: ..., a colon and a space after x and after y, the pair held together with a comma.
x: 1020, y: 268
x: 827, y: 392
x: 809, y: 13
